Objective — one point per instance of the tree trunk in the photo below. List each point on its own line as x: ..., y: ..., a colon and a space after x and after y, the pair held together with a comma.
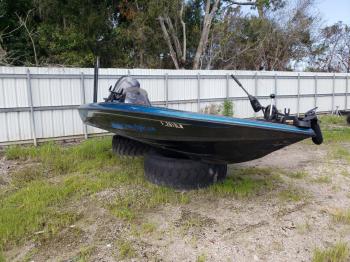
x: 208, y: 18
x: 168, y: 40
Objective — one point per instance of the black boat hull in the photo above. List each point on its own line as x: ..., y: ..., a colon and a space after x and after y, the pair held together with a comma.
x: 208, y: 138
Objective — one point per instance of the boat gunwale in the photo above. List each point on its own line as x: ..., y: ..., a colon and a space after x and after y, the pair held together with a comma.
x: 193, y: 116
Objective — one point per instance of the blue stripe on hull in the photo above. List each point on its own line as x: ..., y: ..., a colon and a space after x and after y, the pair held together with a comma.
x: 165, y: 112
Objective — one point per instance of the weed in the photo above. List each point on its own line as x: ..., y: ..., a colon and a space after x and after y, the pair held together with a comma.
x: 148, y: 228
x: 126, y: 250
x: 291, y: 194
x: 84, y: 254
x: 303, y: 228
x: 201, y: 258
x: 227, y: 108
x: 337, y: 253
x: 298, y: 175
x: 322, y: 180
x: 341, y: 216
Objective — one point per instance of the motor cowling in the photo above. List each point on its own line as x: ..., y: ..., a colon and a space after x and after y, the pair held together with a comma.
x: 127, y: 90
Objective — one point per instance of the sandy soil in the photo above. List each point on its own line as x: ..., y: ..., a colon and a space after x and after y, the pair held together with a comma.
x: 262, y: 228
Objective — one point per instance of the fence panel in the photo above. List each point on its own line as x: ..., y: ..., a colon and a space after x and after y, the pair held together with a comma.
x: 41, y: 103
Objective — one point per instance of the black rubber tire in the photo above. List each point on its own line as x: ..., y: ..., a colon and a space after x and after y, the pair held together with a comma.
x: 127, y: 147
x: 182, y: 173
x: 348, y: 119
x: 318, y: 139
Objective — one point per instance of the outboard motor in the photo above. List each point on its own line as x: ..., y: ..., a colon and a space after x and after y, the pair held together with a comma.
x: 127, y: 90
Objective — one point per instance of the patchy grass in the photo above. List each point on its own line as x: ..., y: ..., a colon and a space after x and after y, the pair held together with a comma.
x: 327, y: 120
x: 341, y: 216
x: 336, y: 135
x: 337, y: 253
x: 84, y: 254
x: 322, y: 180
x: 201, y: 258
x: 292, y: 194
x: 303, y: 228
x: 37, y: 204
x: 88, y: 156
x: 2, y: 258
x: 148, y: 228
x: 139, y: 198
x: 298, y: 175
x: 340, y: 152
x: 245, y: 182
x: 126, y: 249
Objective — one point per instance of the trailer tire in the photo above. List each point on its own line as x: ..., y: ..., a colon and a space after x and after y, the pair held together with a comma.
x: 318, y: 138
x: 182, y: 173
x: 123, y: 146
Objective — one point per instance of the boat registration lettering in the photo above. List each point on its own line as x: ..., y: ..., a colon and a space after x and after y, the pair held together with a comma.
x: 171, y: 124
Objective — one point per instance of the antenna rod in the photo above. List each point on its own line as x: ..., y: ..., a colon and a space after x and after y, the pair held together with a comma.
x: 252, y: 99
x: 240, y: 84
x: 97, y: 66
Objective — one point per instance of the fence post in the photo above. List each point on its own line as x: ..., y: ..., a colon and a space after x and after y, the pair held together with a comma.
x: 82, y: 93
x: 255, y: 88
x: 275, y: 89
x: 30, y: 102
x: 346, y: 92
x: 333, y: 90
x: 166, y: 91
x: 198, y: 93
x: 298, y: 101
x: 227, y: 86
x: 316, y: 91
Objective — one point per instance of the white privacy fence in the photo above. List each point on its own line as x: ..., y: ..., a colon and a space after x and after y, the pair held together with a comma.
x: 41, y: 103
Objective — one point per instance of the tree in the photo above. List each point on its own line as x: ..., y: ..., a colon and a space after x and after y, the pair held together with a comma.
x: 210, y: 11
x: 271, y: 42
x: 333, y: 52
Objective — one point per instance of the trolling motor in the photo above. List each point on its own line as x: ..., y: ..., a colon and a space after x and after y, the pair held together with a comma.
x: 271, y: 114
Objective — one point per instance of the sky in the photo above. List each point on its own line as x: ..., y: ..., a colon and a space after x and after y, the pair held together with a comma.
x: 333, y: 11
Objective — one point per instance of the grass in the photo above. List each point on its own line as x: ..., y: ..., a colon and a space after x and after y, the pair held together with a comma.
x: 322, y: 180
x: 341, y: 216
x: 298, y: 175
x: 245, y: 182
x: 201, y: 258
x: 126, y: 249
x: 291, y: 194
x: 138, y: 199
x: 340, y: 152
x: 36, y: 203
x: 327, y: 120
x: 303, y: 228
x: 337, y: 253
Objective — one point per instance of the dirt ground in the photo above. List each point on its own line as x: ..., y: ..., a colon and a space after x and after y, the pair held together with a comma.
x: 286, y: 223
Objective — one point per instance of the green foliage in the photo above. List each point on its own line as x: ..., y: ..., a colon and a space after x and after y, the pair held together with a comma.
x: 126, y: 249
x: 227, y: 108
x: 337, y: 253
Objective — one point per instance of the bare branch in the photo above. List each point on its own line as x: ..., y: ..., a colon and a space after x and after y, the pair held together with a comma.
x: 168, y: 40
x: 183, y: 34
x: 23, y: 23
x: 174, y: 37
